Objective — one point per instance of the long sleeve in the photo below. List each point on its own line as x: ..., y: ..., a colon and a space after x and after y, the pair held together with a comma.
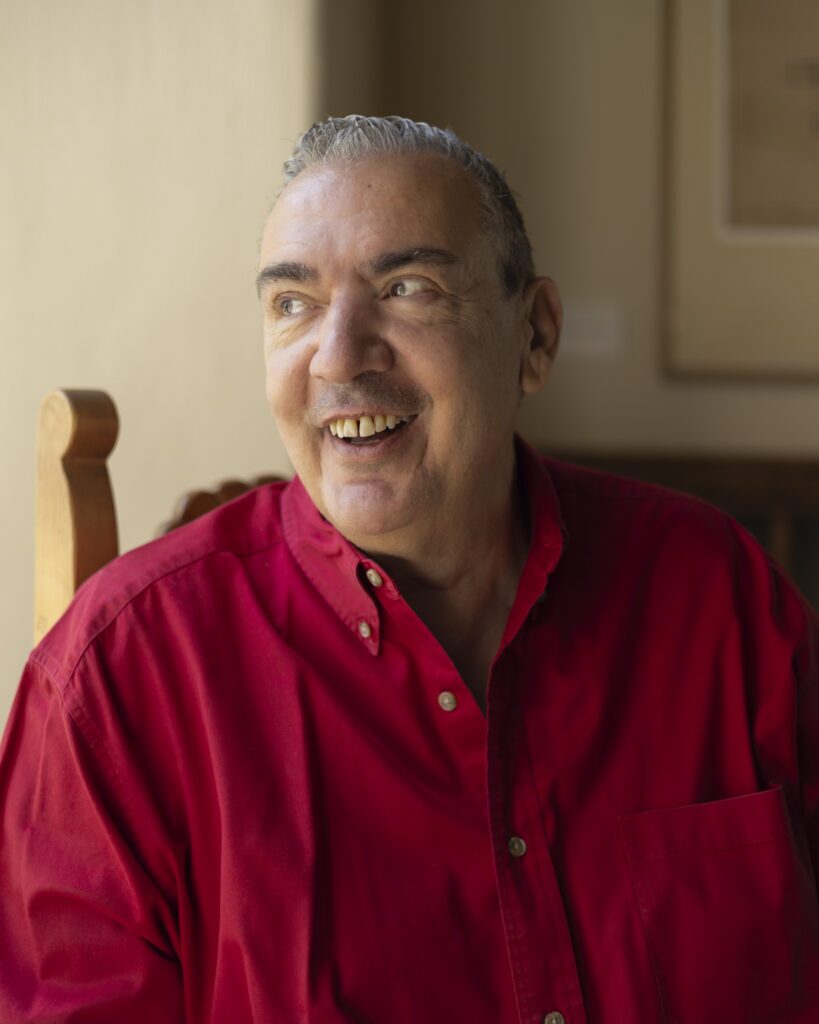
x: 85, y: 935
x: 778, y: 655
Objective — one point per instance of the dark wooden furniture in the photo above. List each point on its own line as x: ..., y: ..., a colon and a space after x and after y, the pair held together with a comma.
x: 777, y: 499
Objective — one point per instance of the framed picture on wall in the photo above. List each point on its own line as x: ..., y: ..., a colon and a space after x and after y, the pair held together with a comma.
x: 740, y: 280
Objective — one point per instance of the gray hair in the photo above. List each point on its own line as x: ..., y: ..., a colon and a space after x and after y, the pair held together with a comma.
x: 357, y: 137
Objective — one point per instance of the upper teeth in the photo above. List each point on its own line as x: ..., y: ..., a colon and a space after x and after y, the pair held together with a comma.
x: 365, y: 426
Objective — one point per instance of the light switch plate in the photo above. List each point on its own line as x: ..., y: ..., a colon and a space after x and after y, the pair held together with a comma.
x: 593, y: 331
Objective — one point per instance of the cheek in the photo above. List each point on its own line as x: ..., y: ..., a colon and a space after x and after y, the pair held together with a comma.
x: 472, y: 370
x: 285, y: 383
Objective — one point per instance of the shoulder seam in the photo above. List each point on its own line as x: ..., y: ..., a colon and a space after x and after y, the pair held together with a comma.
x: 36, y: 658
x: 40, y: 657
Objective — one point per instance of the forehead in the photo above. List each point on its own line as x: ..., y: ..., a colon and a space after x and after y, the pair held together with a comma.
x: 355, y: 211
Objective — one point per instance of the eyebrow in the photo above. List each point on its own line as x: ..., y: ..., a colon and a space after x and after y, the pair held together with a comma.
x: 285, y: 271
x: 389, y: 261
x: 383, y: 264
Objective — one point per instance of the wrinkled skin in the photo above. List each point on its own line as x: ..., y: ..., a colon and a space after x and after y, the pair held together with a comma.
x: 438, y: 341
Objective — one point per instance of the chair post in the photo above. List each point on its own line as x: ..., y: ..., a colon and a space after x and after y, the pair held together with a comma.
x: 75, y: 519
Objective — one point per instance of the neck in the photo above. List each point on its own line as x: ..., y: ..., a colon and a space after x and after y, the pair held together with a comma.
x: 482, y: 534
x: 490, y: 543
x: 462, y: 582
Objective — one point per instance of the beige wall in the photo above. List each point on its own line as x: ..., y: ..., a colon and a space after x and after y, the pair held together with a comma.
x: 145, y: 138
x: 141, y: 142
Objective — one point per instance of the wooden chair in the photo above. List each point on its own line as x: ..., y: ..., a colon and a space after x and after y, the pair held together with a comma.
x: 76, y: 528
x: 75, y: 515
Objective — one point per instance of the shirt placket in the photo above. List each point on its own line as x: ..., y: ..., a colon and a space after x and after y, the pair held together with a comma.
x: 537, y: 933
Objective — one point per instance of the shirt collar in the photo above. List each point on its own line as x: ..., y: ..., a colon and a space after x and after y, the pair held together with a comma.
x: 337, y: 569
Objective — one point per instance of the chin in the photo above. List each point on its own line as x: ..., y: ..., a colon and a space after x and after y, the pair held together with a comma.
x: 365, y: 510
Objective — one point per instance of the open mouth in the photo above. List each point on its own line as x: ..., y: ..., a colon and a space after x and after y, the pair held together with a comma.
x: 368, y: 430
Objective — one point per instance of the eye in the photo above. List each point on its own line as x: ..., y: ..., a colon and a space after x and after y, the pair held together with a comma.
x: 289, y: 305
x: 406, y: 287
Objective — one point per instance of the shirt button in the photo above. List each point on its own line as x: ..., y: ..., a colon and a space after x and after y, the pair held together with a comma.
x: 554, y: 1018
x: 374, y: 577
x: 447, y: 700
x: 517, y: 847
x: 364, y: 629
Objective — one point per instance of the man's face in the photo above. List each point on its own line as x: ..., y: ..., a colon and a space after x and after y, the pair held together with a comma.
x: 385, y: 317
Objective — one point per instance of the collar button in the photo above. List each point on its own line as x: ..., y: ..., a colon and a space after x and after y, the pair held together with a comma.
x: 447, y: 700
x: 375, y: 578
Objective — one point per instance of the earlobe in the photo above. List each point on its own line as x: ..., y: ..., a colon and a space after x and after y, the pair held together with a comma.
x: 544, y: 318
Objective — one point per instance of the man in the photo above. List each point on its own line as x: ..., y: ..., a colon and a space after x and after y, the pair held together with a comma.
x: 439, y: 731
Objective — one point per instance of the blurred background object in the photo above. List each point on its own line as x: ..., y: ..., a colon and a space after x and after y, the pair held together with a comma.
x: 142, y: 147
x: 741, y: 177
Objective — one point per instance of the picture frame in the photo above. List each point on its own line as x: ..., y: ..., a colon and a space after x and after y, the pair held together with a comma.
x: 739, y: 296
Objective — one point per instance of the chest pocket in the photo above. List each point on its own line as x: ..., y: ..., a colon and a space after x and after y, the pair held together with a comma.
x: 729, y: 910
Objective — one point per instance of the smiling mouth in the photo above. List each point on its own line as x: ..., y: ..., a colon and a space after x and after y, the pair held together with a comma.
x: 364, y: 430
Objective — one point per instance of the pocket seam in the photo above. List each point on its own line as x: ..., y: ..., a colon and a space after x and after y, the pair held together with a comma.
x: 699, y: 851
x: 690, y: 830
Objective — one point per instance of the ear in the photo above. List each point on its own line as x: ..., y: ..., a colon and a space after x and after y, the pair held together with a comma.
x: 543, y: 318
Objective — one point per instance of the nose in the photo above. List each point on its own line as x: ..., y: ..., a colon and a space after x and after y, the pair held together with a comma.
x: 349, y: 343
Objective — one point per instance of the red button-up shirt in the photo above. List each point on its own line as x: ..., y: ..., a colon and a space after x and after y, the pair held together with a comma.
x: 242, y: 781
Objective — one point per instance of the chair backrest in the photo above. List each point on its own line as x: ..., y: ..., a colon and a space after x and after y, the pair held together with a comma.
x: 75, y: 515
x: 76, y: 525
x: 75, y: 521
